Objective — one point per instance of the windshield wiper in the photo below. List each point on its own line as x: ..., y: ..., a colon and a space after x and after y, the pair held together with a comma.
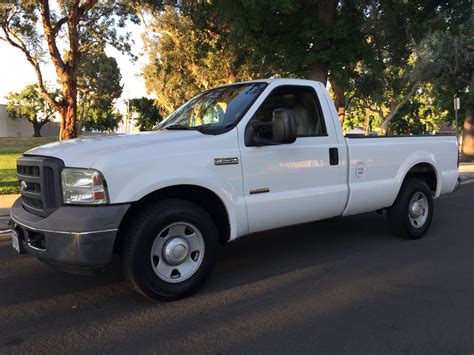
x: 179, y: 127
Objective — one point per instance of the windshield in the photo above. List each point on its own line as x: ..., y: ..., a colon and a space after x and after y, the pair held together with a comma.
x: 216, y: 109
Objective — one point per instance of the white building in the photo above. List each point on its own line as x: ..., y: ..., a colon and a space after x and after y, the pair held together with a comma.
x: 23, y: 128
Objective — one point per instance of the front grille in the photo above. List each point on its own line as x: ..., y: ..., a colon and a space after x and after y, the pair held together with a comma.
x: 28, y: 170
x: 34, y: 203
x: 39, y: 179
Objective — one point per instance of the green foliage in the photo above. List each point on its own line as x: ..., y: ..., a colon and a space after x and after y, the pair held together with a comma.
x: 421, y: 114
x: 29, y: 104
x: 398, y: 33
x: 184, y: 59
x: 98, y: 80
x: 105, y: 24
x: 99, y: 26
x: 454, y: 66
x: 145, y: 113
x: 103, y: 120
x: 286, y: 37
x: 98, y: 87
x: 377, y: 53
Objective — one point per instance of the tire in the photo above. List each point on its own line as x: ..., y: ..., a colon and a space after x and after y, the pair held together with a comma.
x: 169, y: 250
x: 412, y: 224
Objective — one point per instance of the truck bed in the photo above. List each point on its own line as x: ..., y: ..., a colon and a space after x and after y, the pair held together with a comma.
x: 377, y: 166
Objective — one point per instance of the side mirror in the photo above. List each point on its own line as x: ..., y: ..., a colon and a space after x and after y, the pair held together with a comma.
x: 282, y: 128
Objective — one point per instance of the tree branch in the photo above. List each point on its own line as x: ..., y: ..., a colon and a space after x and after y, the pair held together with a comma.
x: 86, y: 6
x: 373, y: 109
x: 50, y: 38
x: 397, y: 107
x: 21, y: 46
x: 58, y: 25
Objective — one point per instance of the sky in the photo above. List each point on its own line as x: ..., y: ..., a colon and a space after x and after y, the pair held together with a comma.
x: 16, y: 71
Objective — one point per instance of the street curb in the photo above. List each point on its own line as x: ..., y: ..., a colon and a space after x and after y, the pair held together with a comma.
x: 468, y: 176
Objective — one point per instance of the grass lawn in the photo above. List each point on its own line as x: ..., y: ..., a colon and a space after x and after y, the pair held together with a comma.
x: 10, y: 150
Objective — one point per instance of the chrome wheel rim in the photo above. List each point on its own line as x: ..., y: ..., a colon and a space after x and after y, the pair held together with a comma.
x: 418, y: 209
x: 177, y: 252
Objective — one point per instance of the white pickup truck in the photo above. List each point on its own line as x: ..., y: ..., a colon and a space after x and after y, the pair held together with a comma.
x: 232, y: 161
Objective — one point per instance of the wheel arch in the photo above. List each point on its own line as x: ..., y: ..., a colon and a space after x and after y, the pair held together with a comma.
x: 425, y: 171
x: 202, y: 196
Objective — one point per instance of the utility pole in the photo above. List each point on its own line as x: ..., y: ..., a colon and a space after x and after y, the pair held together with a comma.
x: 457, y: 106
x: 367, y: 121
x: 127, y: 123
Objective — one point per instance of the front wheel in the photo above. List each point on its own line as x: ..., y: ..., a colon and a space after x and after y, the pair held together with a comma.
x: 411, y: 214
x: 170, y: 249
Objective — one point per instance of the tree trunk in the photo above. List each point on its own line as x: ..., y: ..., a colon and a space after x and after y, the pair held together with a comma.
x: 37, y: 129
x: 468, y: 137
x: 367, y: 122
x: 68, y: 123
x: 319, y: 71
x: 468, y: 130
x: 69, y: 110
x: 327, y: 12
x: 339, y: 101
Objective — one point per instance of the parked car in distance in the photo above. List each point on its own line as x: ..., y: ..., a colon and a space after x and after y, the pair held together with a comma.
x: 232, y: 161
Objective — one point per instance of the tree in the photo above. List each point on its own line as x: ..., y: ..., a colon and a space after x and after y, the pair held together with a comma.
x: 184, y: 59
x: 374, y: 54
x: 29, y: 104
x: 454, y: 53
x: 102, y: 119
x: 98, y: 80
x: 203, y: 44
x: 399, y: 34
x: 77, y: 26
x: 420, y: 115
x: 314, y: 39
x: 146, y: 114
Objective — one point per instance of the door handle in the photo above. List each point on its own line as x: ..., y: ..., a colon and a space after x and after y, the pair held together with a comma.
x: 333, y: 156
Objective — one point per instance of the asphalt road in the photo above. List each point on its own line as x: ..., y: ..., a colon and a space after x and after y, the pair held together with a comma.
x: 345, y: 286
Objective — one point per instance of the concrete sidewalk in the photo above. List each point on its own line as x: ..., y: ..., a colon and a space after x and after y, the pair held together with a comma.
x: 6, y: 201
x: 466, y: 172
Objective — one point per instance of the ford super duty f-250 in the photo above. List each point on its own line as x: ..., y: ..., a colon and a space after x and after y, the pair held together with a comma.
x: 232, y: 161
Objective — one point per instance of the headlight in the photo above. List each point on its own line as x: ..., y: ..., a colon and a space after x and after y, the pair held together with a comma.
x: 83, y: 186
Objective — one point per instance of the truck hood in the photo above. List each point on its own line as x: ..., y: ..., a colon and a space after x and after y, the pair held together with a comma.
x: 83, y: 152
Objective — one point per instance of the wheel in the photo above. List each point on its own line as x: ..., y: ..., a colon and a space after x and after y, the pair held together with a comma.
x: 411, y: 214
x: 170, y: 249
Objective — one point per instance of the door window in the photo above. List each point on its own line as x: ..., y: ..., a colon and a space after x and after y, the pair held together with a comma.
x: 302, y: 101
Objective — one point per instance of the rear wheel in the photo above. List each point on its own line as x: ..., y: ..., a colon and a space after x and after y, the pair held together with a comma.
x: 411, y: 214
x: 170, y: 249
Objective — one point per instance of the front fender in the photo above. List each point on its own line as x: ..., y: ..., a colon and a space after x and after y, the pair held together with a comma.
x: 227, y: 186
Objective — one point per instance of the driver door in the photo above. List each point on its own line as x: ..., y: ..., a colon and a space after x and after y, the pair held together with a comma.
x: 293, y: 183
